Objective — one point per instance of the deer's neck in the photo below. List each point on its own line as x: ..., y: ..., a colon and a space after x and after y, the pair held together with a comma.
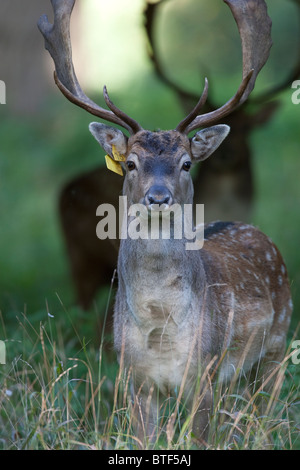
x: 160, y: 280
x: 153, y: 255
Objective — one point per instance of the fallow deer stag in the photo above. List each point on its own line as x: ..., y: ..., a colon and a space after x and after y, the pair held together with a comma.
x: 177, y: 312
x: 224, y: 184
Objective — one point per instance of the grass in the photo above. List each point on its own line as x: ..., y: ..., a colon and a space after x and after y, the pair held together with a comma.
x: 60, y: 392
x: 61, y: 387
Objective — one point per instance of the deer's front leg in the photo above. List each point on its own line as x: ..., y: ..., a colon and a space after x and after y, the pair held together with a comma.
x: 200, y: 406
x: 146, y: 413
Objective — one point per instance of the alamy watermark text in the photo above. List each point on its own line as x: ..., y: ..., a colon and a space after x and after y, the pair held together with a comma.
x: 158, y: 222
x: 296, y: 94
x: 2, y: 92
x: 2, y: 353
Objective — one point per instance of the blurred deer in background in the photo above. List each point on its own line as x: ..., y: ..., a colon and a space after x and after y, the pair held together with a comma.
x: 224, y: 184
x: 179, y: 313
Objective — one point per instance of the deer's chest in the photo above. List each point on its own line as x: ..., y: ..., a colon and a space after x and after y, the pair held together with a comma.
x: 161, y: 351
x: 158, y: 301
x: 161, y: 331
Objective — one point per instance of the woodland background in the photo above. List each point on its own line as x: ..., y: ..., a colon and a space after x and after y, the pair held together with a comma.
x: 45, y: 142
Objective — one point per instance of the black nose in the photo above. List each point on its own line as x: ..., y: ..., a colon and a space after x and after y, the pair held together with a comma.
x: 158, y: 195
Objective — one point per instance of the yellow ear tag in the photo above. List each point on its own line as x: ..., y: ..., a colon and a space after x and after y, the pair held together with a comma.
x: 117, y: 155
x: 113, y: 166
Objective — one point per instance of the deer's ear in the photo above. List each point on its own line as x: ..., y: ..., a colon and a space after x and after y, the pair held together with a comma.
x: 110, y: 138
x: 205, y: 142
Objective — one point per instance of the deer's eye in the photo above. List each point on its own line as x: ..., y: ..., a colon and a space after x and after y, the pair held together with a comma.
x: 130, y: 165
x: 186, y: 166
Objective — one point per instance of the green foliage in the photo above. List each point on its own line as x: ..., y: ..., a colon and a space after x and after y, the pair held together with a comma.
x: 57, y: 388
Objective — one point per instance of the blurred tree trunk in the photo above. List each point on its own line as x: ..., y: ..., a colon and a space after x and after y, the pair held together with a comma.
x: 25, y: 67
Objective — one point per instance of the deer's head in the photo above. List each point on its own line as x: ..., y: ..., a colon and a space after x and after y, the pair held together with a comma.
x: 157, y: 164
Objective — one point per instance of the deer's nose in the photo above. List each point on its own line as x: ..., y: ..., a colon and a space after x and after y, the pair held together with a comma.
x: 158, y: 195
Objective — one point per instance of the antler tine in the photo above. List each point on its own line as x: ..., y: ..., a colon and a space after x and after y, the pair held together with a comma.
x: 254, y: 27
x: 58, y: 43
x: 214, y: 116
x: 133, y: 124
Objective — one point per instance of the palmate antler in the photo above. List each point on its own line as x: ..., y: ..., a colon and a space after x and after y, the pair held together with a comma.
x: 255, y: 31
x: 58, y: 43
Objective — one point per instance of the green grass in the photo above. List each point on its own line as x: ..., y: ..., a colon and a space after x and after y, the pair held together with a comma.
x: 61, y: 387
x: 58, y: 391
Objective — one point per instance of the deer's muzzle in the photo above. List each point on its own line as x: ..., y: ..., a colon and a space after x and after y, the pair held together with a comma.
x: 158, y: 196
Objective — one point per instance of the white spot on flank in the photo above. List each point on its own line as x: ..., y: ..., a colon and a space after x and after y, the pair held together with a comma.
x: 283, y: 269
x: 267, y: 280
x: 282, y: 315
x: 232, y: 256
x: 290, y: 303
x: 273, y: 295
x: 272, y: 315
x: 280, y: 280
x: 268, y: 256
